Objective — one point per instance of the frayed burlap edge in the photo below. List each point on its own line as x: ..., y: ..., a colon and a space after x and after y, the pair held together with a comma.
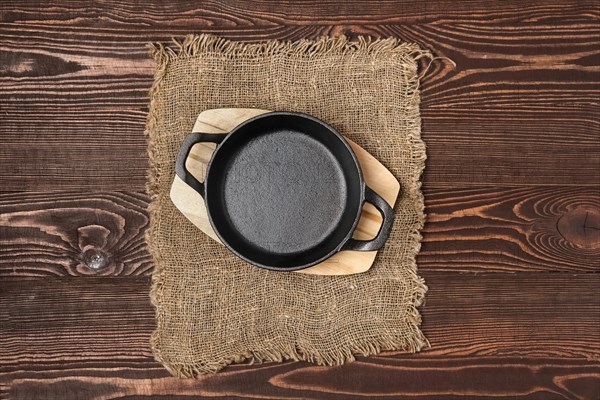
x: 194, y: 45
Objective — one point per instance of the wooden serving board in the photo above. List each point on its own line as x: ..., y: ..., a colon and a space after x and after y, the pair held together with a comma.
x: 377, y: 177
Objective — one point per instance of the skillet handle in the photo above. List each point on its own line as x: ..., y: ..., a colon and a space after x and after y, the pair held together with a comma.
x: 378, y: 241
x: 186, y: 146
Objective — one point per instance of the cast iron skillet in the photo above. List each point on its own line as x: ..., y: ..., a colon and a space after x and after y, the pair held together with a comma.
x: 284, y: 191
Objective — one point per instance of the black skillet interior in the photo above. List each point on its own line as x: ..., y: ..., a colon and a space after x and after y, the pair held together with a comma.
x: 284, y: 191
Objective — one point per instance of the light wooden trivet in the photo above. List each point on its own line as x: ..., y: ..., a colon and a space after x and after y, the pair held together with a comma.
x: 192, y: 205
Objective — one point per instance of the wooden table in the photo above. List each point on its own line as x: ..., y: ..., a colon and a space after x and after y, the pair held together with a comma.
x: 511, y: 248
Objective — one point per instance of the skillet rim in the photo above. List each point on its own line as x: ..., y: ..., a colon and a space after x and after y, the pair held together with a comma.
x: 347, y: 236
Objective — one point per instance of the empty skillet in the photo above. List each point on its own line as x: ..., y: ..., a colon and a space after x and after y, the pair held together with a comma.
x: 284, y: 191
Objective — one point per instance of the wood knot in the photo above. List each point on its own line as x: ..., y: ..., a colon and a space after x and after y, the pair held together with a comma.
x: 95, y: 259
x: 581, y: 227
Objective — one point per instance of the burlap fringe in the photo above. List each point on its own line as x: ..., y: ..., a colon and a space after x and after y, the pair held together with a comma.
x: 193, y: 45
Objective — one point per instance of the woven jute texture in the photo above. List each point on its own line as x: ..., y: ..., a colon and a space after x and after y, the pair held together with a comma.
x: 213, y: 309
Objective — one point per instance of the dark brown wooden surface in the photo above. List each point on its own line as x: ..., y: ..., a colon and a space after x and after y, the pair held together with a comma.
x: 511, y: 248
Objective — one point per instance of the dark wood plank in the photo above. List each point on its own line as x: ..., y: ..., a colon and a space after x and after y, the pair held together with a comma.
x: 520, y: 108
x: 390, y: 377
x: 492, y: 334
x: 73, y: 233
x: 555, y: 229
x: 267, y: 12
x: 525, y: 315
x: 471, y: 230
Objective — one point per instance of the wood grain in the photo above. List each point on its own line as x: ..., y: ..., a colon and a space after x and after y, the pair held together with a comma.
x: 73, y: 233
x: 390, y: 377
x: 227, y: 13
x: 512, y: 229
x: 72, y: 336
x: 528, y: 88
x: 512, y: 187
x: 499, y: 229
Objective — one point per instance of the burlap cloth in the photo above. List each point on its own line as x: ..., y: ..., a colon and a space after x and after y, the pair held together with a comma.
x: 213, y: 309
